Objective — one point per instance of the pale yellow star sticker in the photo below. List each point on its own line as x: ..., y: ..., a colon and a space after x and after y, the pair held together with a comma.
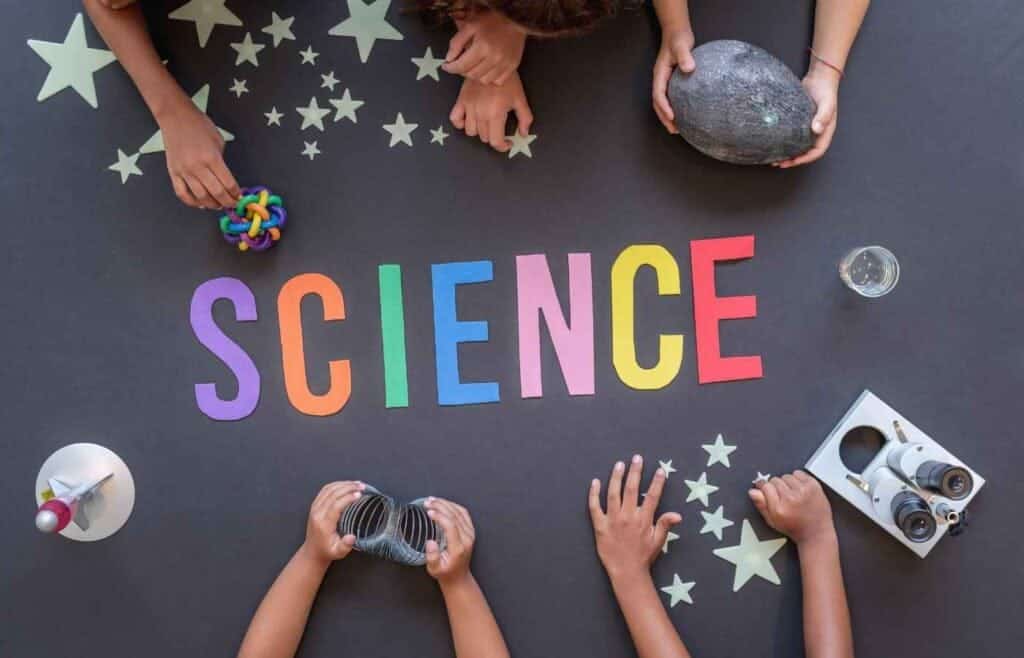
x: 520, y: 144
x: 671, y: 536
x: 346, y: 107
x: 400, y: 130
x: 678, y: 591
x: 438, y: 136
x: 155, y: 144
x: 761, y: 477
x: 718, y: 452
x: 366, y: 23
x: 273, y: 117
x: 700, y: 489
x: 72, y: 63
x: 126, y: 165
x: 239, y: 87
x: 312, y: 115
x: 329, y: 81
x: 279, y: 28
x: 309, y: 56
x: 247, y: 50
x: 206, y: 14
x: 311, y: 150
x: 715, y: 523
x: 667, y: 467
x: 427, y: 65
x: 752, y: 557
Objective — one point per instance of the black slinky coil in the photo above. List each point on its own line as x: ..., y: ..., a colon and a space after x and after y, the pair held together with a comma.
x: 393, y: 531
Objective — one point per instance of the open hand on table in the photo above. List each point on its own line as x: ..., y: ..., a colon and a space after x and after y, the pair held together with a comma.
x: 676, y: 50
x: 482, y: 110
x: 451, y: 564
x: 195, y: 159
x: 487, y: 48
x: 822, y: 86
x: 795, y: 505
x: 323, y: 542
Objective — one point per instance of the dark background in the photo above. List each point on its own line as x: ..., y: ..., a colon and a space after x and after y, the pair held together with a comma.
x: 928, y: 160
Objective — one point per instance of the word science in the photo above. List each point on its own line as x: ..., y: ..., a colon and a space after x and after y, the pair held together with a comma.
x: 571, y: 332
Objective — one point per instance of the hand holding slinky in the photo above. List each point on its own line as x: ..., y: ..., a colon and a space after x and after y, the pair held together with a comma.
x: 322, y: 539
x: 452, y: 563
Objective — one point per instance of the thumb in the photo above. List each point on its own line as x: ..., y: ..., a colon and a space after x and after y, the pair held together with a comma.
x: 344, y: 546
x: 824, y: 116
x: 458, y: 43
x: 433, y: 554
x: 665, y: 522
x: 758, y: 499
x: 685, y: 60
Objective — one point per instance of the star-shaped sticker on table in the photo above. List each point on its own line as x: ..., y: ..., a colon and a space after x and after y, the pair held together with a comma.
x: 311, y: 150
x: 238, y: 87
x: 126, y: 165
x: 427, y: 65
x: 279, y: 28
x: 752, y: 557
x: 72, y: 63
x: 761, y: 477
x: 273, y: 117
x: 400, y: 130
x: 247, y: 50
x: 438, y: 135
x: 346, y: 107
x: 666, y: 466
x: 678, y: 591
x: 366, y: 23
x: 206, y: 14
x: 155, y: 144
x: 312, y: 115
x: 715, y: 523
x: 309, y: 56
x: 718, y: 452
x: 329, y: 81
x: 520, y: 144
x: 671, y: 536
x: 700, y: 489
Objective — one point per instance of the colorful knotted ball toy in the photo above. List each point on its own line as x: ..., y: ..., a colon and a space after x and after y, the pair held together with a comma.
x: 256, y: 220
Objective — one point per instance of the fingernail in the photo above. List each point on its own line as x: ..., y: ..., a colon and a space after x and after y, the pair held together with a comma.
x: 362, y: 485
x: 619, y: 466
x: 358, y: 494
x: 595, y: 482
x: 659, y: 473
x: 637, y: 459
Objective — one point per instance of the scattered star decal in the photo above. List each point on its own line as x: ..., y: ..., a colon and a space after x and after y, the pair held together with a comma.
x: 700, y: 489
x: 438, y: 135
x: 309, y: 56
x: 207, y: 14
x: 126, y: 165
x: 678, y: 591
x: 400, y: 130
x: 428, y: 65
x: 239, y: 87
x: 345, y: 107
x: 366, y: 23
x: 667, y: 467
x: 718, y: 452
x: 155, y: 144
x: 273, y: 117
x: 520, y: 144
x: 311, y: 151
x: 329, y: 81
x: 72, y: 63
x: 312, y: 115
x: 761, y: 477
x: 247, y: 50
x: 279, y: 28
x: 752, y: 557
x: 715, y: 523
x: 671, y: 536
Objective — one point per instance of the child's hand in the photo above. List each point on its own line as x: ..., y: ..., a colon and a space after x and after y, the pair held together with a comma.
x: 822, y: 85
x: 482, y: 110
x: 195, y: 159
x: 676, y: 47
x: 628, y: 539
x: 794, y: 505
x: 451, y: 564
x: 487, y: 48
x: 323, y: 542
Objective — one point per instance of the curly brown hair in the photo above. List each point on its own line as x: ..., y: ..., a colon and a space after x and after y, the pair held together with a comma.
x: 549, y: 17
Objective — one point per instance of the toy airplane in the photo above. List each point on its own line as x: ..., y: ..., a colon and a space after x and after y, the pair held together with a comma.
x: 64, y: 504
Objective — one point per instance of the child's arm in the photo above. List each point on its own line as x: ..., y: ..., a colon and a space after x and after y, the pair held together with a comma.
x: 475, y: 631
x: 194, y: 148
x: 276, y: 628
x: 676, y: 44
x: 482, y: 110
x: 836, y: 23
x: 487, y: 48
x: 796, y: 506
x: 628, y: 542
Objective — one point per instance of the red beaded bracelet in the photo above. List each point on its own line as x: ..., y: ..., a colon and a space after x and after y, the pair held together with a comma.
x: 825, y: 62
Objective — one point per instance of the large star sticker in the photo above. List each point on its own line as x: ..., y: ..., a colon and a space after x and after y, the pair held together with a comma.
x: 671, y: 536
x: 520, y: 144
x: 400, y: 130
x: 155, y: 144
x: 72, y: 63
x: 312, y: 115
x: 247, y: 50
x: 752, y: 557
x: 667, y: 467
x: 427, y: 65
x: 678, y: 591
x: 719, y: 452
x: 126, y: 165
x: 366, y: 23
x: 715, y: 523
x: 700, y: 489
x: 279, y: 28
x: 346, y: 107
x: 207, y: 14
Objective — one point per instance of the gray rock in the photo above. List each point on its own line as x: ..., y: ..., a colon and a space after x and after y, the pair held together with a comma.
x: 741, y: 105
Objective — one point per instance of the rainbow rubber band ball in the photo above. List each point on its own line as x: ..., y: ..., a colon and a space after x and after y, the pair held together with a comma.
x: 256, y: 220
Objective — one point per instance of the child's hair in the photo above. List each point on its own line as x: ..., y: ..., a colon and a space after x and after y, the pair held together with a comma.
x: 543, y: 17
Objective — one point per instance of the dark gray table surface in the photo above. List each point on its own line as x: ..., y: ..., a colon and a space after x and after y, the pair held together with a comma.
x: 928, y: 160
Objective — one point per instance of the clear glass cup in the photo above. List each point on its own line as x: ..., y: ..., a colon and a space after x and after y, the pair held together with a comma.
x: 870, y: 271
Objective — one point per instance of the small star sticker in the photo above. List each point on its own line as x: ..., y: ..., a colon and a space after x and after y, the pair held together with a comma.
x: 273, y: 117
x: 427, y: 65
x: 279, y: 28
x: 311, y: 150
x: 752, y: 557
x: 718, y: 452
x: 72, y: 63
x: 207, y: 14
x: 366, y: 23
x: 400, y: 130
x: 308, y: 56
x: 438, y: 136
x: 700, y: 489
x: 329, y: 81
x: 247, y: 50
x: 715, y: 523
x: 678, y: 591
x: 312, y: 115
x: 240, y: 87
x: 126, y: 165
x: 671, y: 536
x: 761, y: 477
x: 667, y: 467
x: 520, y: 144
x: 346, y: 107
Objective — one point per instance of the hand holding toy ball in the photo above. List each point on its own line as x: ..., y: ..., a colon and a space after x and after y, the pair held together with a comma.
x: 256, y: 221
